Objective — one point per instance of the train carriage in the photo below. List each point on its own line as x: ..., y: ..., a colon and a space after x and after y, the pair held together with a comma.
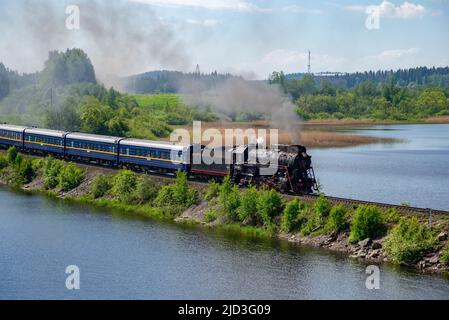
x: 45, y: 141
x: 212, y: 163
x: 292, y: 170
x: 11, y: 135
x: 154, y: 155
x: 91, y: 147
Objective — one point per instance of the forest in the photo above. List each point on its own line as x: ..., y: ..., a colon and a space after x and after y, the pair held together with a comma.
x: 66, y: 95
x: 320, y: 98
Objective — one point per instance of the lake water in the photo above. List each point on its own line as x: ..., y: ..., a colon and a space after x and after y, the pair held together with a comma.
x: 142, y: 259
x: 414, y: 171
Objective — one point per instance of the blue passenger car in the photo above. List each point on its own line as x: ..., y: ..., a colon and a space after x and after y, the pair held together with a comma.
x: 91, y: 146
x: 11, y: 135
x: 154, y: 155
x: 45, y: 140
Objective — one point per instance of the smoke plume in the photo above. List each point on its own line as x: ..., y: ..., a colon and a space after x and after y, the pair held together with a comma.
x: 237, y: 95
x: 121, y: 38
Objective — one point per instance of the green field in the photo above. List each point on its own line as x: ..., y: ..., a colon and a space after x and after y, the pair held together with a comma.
x: 158, y: 101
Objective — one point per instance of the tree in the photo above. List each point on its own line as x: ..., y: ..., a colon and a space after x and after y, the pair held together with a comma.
x: 70, y: 177
x: 431, y: 101
x: 124, y: 185
x: 95, y: 116
x: 62, y: 68
x: 248, y: 206
x: 269, y: 205
x: 4, y: 82
x: 12, y: 154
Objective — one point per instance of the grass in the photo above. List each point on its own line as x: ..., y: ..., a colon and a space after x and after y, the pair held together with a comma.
x: 157, y: 101
x: 438, y: 119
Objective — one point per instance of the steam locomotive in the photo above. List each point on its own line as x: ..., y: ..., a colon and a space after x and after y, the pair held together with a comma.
x: 286, y: 168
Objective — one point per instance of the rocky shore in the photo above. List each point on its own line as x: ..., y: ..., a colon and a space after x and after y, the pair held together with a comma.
x: 371, y: 250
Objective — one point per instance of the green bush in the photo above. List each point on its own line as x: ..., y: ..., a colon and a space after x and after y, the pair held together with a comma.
x: 316, y: 218
x: 210, y: 215
x: 18, y: 161
x: 26, y: 171
x: 229, y: 199
x: 409, y: 240
x: 124, y: 185
x: 146, y: 190
x: 391, y: 216
x: 182, y: 194
x: 178, y: 195
x: 70, y: 177
x: 213, y: 189
x: 314, y: 221
x: 11, y: 155
x: 269, y: 205
x: 337, y: 219
x: 38, y: 164
x: 444, y: 258
x: 3, y: 161
x: 248, y: 204
x: 322, y: 206
x: 51, y: 169
x: 289, y: 217
x: 165, y: 196
x: 101, y: 185
x: 368, y: 222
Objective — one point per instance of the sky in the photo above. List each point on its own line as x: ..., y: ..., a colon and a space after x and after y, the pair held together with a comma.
x: 247, y: 37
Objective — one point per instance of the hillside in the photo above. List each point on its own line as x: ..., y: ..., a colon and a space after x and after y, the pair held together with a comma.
x: 403, y: 77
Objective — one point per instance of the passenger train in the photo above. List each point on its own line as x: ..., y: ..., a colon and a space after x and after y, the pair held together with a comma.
x: 293, y: 168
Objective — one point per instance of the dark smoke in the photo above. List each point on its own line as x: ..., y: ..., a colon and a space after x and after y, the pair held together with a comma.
x: 120, y: 37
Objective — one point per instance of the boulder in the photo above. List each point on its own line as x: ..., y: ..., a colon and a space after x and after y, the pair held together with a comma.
x: 442, y: 236
x: 376, y: 245
x: 434, y: 259
x: 365, y: 243
x: 374, y: 254
x: 421, y: 265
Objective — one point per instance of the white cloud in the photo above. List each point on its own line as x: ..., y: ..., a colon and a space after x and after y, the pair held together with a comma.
x: 392, y: 59
x: 236, y: 5
x: 387, y: 9
x: 395, y: 54
x: 299, y: 9
x: 204, y: 23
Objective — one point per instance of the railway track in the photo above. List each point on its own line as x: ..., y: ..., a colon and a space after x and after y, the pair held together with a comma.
x: 399, y: 208
x: 309, y: 197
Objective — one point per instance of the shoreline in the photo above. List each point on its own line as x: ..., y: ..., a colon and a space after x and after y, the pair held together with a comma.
x: 367, y: 249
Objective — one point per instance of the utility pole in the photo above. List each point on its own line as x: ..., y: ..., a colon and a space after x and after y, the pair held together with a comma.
x: 197, y: 71
x: 308, y: 65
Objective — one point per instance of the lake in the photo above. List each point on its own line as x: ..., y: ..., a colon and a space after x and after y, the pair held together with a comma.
x: 413, y: 171
x: 132, y: 258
